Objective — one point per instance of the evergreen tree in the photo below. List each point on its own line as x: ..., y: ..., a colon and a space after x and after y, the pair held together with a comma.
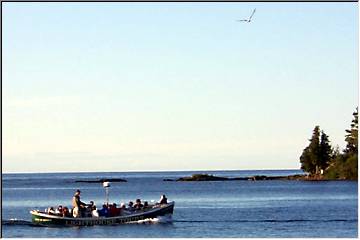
x: 345, y: 165
x: 352, y: 136
x: 318, y: 154
x: 310, y: 155
x: 351, y: 150
x: 325, y: 151
x: 306, y: 162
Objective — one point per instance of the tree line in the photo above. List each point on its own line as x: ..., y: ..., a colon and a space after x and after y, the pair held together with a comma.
x: 322, y: 161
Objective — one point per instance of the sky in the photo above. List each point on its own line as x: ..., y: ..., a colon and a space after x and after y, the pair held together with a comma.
x: 173, y: 86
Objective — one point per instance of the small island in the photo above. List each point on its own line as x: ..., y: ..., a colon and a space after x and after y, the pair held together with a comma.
x: 208, y: 177
x: 202, y: 177
x: 101, y: 180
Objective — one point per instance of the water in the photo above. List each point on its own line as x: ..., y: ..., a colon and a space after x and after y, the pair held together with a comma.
x: 203, y: 209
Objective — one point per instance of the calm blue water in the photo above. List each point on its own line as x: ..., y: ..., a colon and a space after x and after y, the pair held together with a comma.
x: 202, y: 209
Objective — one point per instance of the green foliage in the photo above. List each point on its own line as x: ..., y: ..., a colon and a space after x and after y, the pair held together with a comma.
x: 345, y: 165
x: 352, y: 136
x: 332, y: 173
x: 336, y: 168
x: 306, y: 160
x: 351, y: 168
x: 317, y: 155
x: 325, y: 151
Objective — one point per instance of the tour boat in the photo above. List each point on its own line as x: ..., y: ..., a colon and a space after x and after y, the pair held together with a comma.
x: 43, y: 218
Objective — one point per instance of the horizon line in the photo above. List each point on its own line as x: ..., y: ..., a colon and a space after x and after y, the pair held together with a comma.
x: 149, y: 171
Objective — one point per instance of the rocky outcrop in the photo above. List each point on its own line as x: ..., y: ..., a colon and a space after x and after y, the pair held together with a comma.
x: 102, y: 180
x: 207, y: 177
x: 202, y: 177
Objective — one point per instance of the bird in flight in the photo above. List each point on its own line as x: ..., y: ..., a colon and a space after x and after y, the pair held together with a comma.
x: 247, y: 20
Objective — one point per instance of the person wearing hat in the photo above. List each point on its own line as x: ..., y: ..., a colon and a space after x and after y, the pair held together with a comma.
x: 78, y: 206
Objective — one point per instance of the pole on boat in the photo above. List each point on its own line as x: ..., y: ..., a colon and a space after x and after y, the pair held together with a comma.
x: 106, y: 185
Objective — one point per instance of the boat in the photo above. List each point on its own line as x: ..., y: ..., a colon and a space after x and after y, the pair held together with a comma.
x: 43, y: 218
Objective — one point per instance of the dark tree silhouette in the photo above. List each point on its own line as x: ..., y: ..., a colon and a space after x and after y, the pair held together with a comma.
x: 317, y: 155
x: 351, y: 136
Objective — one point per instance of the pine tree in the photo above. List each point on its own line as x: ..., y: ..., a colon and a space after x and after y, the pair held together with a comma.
x: 309, y: 157
x: 351, y: 150
x: 318, y: 154
x: 352, y: 136
x: 345, y: 165
x: 325, y: 151
x: 305, y: 160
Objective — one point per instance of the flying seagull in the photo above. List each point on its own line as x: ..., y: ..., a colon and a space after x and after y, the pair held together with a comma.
x: 247, y: 20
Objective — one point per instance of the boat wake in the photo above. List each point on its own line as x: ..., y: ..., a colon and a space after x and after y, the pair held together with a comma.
x: 159, y: 219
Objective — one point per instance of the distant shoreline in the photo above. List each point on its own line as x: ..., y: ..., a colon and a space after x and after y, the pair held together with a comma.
x: 296, y: 177
x: 154, y: 171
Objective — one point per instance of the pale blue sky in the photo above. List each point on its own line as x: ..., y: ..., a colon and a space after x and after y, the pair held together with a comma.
x: 174, y: 86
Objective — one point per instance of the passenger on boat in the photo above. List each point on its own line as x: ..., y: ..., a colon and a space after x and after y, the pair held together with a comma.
x: 78, y: 206
x: 89, y: 208
x: 114, y: 211
x: 94, y: 212
x: 138, y: 205
x: 146, y: 205
x: 163, y: 199
x: 92, y: 206
x: 87, y: 212
x: 104, y: 212
x: 65, y: 212
x: 111, y: 210
x: 59, y: 210
x: 122, y: 208
x: 130, y: 206
x: 51, y: 211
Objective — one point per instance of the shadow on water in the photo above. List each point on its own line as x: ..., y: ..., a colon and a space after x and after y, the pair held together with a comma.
x: 21, y: 222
